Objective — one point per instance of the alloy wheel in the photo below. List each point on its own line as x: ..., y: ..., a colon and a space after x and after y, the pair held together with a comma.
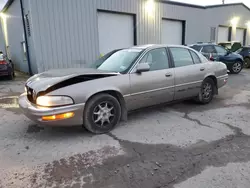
x: 103, y: 114
x: 237, y: 67
x: 207, y: 91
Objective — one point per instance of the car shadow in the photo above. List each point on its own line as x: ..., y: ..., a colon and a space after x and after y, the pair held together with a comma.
x: 53, y: 133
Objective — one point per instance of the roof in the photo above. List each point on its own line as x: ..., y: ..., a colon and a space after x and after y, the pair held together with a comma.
x: 201, y: 7
x: 9, y: 2
x: 226, y: 5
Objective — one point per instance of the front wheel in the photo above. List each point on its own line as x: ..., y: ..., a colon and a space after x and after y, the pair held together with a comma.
x: 207, y: 91
x: 236, y: 68
x: 102, y: 113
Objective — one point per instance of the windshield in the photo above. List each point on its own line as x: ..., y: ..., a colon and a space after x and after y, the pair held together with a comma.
x: 120, y: 61
x: 99, y: 61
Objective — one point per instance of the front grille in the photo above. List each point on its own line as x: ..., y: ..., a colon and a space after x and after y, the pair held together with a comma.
x: 30, y: 92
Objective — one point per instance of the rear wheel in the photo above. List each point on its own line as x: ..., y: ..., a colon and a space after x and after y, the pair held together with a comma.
x: 207, y: 91
x: 247, y: 62
x: 102, y: 113
x: 236, y: 68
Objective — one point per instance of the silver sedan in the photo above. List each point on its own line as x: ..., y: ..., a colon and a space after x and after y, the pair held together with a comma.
x: 128, y: 79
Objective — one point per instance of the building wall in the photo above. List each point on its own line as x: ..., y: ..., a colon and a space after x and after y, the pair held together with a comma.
x: 224, y: 15
x: 27, y: 11
x: 2, y: 40
x: 70, y: 37
x: 15, y: 36
x: 64, y: 33
x: 192, y: 16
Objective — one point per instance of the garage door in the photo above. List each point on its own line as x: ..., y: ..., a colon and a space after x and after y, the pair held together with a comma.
x: 223, y: 33
x: 172, y: 32
x: 240, y: 35
x: 115, y: 31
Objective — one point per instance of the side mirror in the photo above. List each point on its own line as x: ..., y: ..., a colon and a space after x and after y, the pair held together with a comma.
x: 142, y: 67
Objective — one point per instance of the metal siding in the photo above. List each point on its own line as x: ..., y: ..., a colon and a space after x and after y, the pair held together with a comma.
x: 192, y: 16
x: 16, y: 36
x: 2, y: 41
x: 222, y: 16
x: 65, y: 32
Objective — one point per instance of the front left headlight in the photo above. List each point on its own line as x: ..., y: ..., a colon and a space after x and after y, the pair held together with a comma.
x: 52, y: 101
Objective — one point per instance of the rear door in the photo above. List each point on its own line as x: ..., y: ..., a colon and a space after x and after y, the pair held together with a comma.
x: 221, y: 53
x: 189, y: 72
x: 155, y: 86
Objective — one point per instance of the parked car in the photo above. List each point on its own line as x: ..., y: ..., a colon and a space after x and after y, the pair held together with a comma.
x: 129, y: 79
x: 233, y: 61
x: 245, y: 53
x: 232, y: 46
x: 6, y: 67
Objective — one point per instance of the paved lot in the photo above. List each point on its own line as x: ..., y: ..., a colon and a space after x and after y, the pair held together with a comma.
x: 182, y: 145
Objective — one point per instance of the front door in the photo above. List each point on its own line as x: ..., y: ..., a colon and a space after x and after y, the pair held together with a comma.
x: 155, y: 86
x: 189, y: 72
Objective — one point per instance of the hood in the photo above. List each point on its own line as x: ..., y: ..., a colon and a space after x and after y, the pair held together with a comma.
x: 44, y: 81
x: 234, y: 54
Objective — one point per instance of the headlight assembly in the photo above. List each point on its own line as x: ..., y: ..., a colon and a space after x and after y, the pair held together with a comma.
x: 52, y: 101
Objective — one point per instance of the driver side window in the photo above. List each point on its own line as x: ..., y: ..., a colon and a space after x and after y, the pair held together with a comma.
x: 157, y: 59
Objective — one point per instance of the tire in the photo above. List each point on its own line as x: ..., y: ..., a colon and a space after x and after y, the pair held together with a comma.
x: 247, y: 62
x: 205, y: 98
x: 102, y: 106
x: 236, y: 67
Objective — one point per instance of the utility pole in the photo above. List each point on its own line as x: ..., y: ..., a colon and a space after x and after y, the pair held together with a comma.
x: 223, y: 1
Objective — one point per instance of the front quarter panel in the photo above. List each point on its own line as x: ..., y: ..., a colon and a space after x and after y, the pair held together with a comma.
x: 81, y: 92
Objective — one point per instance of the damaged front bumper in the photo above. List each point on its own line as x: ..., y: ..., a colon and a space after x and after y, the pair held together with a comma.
x: 36, y: 113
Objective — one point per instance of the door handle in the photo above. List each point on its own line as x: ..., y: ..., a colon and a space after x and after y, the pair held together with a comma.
x: 202, y: 69
x: 168, y: 74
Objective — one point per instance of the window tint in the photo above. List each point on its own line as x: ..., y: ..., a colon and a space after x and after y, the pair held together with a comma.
x: 220, y: 50
x: 157, y: 59
x: 181, y: 57
x: 208, y: 49
x: 195, y: 57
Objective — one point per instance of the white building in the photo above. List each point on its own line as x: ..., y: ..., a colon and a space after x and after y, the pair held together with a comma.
x: 45, y: 34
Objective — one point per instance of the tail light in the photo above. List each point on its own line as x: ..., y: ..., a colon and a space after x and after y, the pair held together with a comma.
x: 3, y: 62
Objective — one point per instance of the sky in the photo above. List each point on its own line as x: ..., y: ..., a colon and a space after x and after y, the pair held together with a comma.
x: 198, y: 2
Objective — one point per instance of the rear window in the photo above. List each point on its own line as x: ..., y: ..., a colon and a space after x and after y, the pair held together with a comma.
x: 196, y: 47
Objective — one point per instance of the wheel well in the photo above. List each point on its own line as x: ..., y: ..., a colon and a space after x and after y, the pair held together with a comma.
x: 119, y: 97
x: 240, y: 60
x: 215, y: 82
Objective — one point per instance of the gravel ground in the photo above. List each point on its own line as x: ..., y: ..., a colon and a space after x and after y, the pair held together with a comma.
x: 182, y: 145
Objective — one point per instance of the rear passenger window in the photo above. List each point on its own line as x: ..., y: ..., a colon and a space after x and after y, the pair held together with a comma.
x: 195, y: 57
x: 181, y: 57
